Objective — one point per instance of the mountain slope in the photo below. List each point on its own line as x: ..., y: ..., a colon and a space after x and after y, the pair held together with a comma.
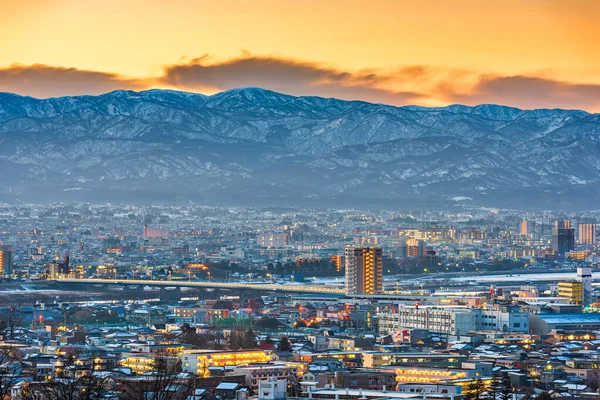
x: 253, y: 146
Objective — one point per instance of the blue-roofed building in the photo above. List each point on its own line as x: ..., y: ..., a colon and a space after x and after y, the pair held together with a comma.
x: 541, y: 324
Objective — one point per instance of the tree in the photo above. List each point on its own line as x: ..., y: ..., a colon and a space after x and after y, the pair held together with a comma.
x: 294, y: 388
x: 267, y: 323
x: 74, y: 381
x: 188, y: 335
x: 285, y: 344
x: 249, y: 341
x: 163, y: 383
x: 242, y: 340
x: 475, y: 390
x: 279, y: 268
x: 10, y: 319
x: 10, y: 370
x: 506, y: 387
x: 268, y: 341
x: 493, y: 390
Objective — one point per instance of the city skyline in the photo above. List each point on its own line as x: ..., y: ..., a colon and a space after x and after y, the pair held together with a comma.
x: 524, y: 54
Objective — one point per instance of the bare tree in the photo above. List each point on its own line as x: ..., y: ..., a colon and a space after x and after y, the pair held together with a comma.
x: 76, y: 379
x: 11, y: 318
x: 188, y: 335
x: 165, y: 382
x: 11, y: 369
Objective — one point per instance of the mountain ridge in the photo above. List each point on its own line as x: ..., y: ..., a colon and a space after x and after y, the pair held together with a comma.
x: 269, y: 147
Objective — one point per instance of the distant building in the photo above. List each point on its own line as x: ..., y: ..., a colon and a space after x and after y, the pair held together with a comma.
x: 563, y: 237
x: 154, y: 232
x: 524, y: 228
x: 578, y: 255
x: 587, y: 233
x: 272, y: 240
x: 339, y: 261
x: 364, y: 270
x: 5, y: 262
x: 59, y: 268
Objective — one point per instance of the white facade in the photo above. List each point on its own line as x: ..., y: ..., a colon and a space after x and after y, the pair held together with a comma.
x: 272, y: 240
x: 453, y: 321
x: 584, y: 275
x: 272, y: 389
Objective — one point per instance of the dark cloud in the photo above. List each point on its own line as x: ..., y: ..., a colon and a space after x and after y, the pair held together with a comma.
x: 40, y: 80
x: 530, y: 92
x: 416, y: 84
x: 284, y: 75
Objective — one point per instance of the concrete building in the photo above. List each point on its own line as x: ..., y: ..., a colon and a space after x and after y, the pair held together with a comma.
x: 254, y: 374
x: 584, y: 275
x: 541, y: 324
x: 368, y: 379
x: 364, y: 270
x: 199, y: 361
x: 453, y: 321
x: 272, y: 389
x: 372, y: 359
x: 272, y: 240
x: 571, y: 290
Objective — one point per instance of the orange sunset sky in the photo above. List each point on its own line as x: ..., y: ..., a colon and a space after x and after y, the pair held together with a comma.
x: 524, y: 53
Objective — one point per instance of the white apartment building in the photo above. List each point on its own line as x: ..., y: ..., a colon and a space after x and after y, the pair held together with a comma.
x: 453, y: 320
x: 272, y: 240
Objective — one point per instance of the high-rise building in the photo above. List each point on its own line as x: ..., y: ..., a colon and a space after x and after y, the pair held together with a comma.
x: 364, y: 270
x: 563, y: 237
x: 524, y: 228
x: 5, y: 262
x: 587, y: 233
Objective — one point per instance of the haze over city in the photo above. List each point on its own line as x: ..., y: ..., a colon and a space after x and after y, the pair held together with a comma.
x: 299, y: 200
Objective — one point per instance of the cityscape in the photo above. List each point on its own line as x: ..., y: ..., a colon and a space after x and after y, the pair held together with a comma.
x: 304, y: 303
x: 299, y: 200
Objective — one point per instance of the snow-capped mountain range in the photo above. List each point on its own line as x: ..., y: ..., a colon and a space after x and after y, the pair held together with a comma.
x: 258, y: 147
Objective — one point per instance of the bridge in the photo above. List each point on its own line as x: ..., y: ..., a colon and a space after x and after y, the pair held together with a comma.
x: 299, y: 288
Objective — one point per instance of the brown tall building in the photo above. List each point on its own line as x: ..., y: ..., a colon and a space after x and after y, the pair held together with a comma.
x: 587, y: 233
x: 5, y: 262
x: 524, y: 228
x: 364, y: 270
x: 566, y: 224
